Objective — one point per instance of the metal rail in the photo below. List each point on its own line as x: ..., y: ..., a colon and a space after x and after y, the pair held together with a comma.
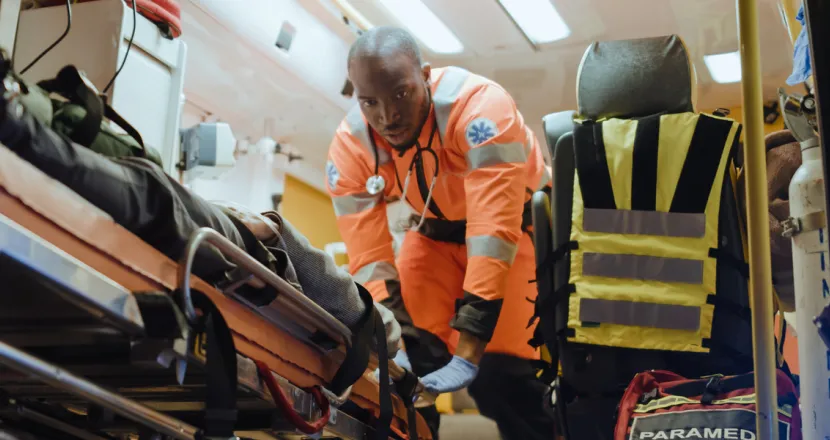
x: 760, y: 280
x: 24, y: 363
x: 294, y: 302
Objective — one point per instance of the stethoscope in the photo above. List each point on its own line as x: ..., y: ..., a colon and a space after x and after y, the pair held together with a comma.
x: 376, y: 183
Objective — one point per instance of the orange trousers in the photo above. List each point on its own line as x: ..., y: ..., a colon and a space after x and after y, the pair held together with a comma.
x: 432, y: 279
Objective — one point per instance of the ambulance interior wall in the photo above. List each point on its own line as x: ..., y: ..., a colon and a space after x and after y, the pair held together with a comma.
x: 310, y: 211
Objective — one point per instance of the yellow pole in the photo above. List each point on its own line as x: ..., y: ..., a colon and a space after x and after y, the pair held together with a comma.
x: 760, y: 280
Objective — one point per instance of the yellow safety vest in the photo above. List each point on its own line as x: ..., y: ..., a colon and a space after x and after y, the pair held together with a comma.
x: 644, y: 233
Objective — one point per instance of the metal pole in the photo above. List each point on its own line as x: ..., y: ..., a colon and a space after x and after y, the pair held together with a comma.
x: 760, y: 280
x: 817, y: 13
x: 24, y: 363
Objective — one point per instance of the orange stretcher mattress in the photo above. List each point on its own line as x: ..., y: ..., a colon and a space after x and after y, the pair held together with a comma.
x: 57, y: 214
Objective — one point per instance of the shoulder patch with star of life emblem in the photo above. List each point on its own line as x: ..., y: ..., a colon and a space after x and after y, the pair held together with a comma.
x: 480, y: 130
x: 332, y: 174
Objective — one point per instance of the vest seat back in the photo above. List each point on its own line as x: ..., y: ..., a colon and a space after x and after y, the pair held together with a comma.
x: 645, y: 266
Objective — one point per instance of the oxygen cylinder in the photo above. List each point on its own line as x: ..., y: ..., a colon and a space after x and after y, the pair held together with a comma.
x: 812, y: 291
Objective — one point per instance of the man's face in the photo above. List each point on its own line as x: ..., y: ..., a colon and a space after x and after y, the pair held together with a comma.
x: 392, y: 92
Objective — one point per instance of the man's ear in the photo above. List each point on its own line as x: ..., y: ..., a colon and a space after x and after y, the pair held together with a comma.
x: 426, y: 71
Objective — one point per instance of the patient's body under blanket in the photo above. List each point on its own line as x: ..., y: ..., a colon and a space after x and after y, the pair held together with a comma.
x: 150, y: 204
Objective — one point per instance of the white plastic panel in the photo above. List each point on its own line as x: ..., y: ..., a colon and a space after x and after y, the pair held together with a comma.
x: 147, y: 92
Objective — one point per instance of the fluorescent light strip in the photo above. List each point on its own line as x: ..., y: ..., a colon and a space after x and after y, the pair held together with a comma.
x: 538, y: 19
x: 426, y: 26
x: 724, y: 67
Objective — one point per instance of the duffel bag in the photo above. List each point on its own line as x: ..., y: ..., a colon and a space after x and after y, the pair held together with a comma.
x: 83, y: 117
x: 663, y: 405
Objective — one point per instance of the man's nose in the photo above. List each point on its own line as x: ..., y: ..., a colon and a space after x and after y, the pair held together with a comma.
x: 389, y: 113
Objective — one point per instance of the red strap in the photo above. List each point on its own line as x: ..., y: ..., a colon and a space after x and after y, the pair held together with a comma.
x: 286, y: 406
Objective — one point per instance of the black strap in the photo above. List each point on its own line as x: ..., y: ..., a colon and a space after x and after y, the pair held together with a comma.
x: 357, y: 354
x: 113, y: 116
x: 724, y: 256
x: 69, y: 84
x: 357, y: 359
x: 385, y: 419
x: 220, y: 369
x: 406, y: 387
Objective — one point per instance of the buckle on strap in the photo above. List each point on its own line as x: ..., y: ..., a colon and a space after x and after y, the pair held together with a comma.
x: 712, y: 390
x: 810, y: 222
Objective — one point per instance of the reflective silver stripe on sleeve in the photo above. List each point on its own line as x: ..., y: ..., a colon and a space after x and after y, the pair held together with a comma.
x: 495, y: 154
x: 665, y: 224
x: 345, y: 205
x: 529, y: 143
x: 669, y: 270
x: 545, y: 180
x: 493, y: 247
x: 445, y: 95
x: 359, y: 129
x: 640, y: 314
x: 375, y: 272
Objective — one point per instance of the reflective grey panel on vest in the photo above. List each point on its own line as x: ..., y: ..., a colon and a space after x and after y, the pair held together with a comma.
x: 495, y: 154
x: 667, y: 316
x: 445, y: 95
x: 670, y: 270
x: 360, y: 130
x: 345, y: 205
x: 666, y: 224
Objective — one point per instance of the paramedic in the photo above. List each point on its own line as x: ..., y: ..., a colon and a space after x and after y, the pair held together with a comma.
x: 454, y: 146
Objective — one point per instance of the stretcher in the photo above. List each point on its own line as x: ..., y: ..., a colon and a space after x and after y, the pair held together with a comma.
x: 93, y: 345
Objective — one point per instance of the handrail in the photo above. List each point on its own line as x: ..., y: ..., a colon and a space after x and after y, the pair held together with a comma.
x: 760, y: 280
x: 296, y: 304
x: 24, y: 363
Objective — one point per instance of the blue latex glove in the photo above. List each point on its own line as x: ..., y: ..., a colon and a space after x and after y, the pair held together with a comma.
x: 802, y: 66
x: 457, y: 374
x: 401, y: 359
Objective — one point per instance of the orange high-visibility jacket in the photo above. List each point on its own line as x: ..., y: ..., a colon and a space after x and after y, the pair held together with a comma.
x: 490, y: 162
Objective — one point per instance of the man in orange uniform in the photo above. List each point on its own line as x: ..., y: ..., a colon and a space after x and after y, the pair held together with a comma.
x: 454, y: 146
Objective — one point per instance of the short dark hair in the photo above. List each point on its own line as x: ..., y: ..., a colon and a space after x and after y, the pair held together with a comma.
x: 383, y: 41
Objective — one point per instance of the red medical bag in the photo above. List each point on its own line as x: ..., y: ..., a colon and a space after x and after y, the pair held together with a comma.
x: 663, y: 405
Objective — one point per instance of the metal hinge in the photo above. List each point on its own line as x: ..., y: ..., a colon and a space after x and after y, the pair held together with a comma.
x: 810, y: 222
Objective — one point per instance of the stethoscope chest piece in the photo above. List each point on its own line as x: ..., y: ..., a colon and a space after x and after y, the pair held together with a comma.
x: 375, y: 184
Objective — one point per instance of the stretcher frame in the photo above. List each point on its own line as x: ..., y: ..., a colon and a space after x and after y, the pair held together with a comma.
x: 74, y: 244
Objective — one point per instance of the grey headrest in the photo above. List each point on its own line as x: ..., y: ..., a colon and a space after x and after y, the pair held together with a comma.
x: 557, y: 125
x: 631, y: 78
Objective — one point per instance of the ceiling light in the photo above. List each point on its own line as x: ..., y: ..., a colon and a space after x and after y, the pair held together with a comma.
x: 724, y: 67
x: 426, y: 26
x: 538, y: 19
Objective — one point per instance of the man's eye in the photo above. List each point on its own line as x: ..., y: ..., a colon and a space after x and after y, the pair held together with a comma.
x: 401, y: 95
x: 369, y: 103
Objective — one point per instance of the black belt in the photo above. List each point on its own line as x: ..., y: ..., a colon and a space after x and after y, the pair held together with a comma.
x: 455, y: 231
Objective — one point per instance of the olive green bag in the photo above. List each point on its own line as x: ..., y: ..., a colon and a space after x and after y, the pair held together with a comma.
x: 83, y: 117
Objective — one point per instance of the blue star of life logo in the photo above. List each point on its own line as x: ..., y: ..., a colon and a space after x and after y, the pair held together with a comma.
x: 332, y: 174
x: 480, y: 131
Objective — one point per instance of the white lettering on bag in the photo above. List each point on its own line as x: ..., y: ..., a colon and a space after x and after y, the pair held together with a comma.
x: 708, y: 433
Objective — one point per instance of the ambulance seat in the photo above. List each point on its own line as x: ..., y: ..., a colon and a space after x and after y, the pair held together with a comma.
x: 627, y: 79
